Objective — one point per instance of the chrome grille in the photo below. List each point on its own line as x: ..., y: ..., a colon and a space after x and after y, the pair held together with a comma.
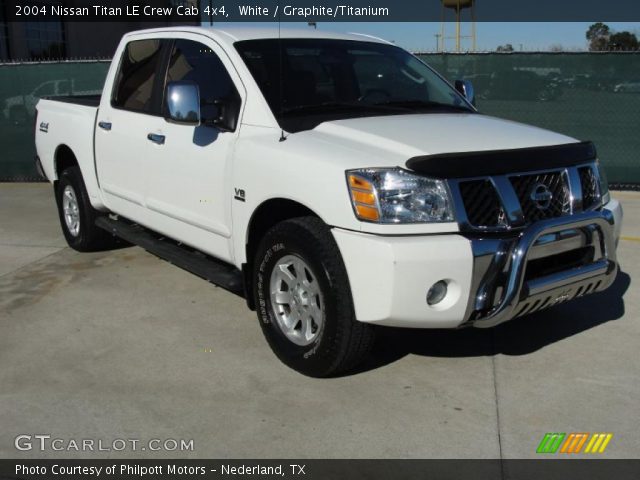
x: 590, y: 190
x: 499, y: 202
x: 555, y: 182
x: 481, y: 203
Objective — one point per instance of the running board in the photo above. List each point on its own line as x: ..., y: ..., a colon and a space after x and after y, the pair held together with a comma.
x: 215, y: 271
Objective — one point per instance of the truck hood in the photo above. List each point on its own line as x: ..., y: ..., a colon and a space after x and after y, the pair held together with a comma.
x: 395, y: 139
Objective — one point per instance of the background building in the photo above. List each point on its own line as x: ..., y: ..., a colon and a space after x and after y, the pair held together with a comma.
x: 61, y: 39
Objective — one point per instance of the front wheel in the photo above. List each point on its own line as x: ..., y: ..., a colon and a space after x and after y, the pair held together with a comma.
x: 304, y: 300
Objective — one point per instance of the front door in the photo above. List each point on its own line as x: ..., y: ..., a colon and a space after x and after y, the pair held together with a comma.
x: 188, y: 184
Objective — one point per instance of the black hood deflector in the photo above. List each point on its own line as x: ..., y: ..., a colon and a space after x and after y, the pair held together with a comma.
x: 500, y: 162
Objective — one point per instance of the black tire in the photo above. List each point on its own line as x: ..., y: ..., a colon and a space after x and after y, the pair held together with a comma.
x: 342, y: 342
x: 88, y: 238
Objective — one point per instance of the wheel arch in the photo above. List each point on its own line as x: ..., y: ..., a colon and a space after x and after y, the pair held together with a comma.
x: 63, y: 158
x: 269, y: 213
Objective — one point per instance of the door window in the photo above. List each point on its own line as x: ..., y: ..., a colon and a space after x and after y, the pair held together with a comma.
x: 193, y: 61
x: 136, y: 76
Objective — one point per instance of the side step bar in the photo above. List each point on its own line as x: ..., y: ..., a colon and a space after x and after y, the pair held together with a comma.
x: 214, y: 271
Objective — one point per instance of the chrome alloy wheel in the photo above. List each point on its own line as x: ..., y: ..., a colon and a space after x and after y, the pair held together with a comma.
x: 70, y: 209
x: 296, y: 300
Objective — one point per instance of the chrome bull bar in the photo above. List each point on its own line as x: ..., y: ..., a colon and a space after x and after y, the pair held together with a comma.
x: 499, y: 288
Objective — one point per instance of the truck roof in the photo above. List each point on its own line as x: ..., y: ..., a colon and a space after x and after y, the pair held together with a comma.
x: 230, y: 35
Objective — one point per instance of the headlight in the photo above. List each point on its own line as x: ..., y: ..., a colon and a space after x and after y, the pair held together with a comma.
x: 604, y: 184
x: 393, y: 195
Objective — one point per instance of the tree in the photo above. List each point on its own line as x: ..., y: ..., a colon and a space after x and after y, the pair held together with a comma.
x: 505, y: 48
x: 598, y: 36
x: 556, y: 47
x: 623, y: 41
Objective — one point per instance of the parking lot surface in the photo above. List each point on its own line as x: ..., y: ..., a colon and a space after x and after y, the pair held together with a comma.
x: 122, y: 345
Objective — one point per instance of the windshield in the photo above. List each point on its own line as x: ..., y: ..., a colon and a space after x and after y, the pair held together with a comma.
x: 318, y: 80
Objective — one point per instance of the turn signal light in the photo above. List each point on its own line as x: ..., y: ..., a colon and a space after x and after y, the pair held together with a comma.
x: 363, y: 198
x: 367, y: 213
x: 360, y: 183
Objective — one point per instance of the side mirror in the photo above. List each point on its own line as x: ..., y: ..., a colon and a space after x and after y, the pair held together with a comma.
x: 465, y: 87
x: 183, y: 103
x: 222, y: 114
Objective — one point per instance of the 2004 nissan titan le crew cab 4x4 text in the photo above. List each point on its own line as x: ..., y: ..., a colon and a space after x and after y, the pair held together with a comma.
x: 336, y: 180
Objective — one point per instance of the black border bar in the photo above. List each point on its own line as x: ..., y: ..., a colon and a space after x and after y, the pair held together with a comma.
x: 545, y: 468
x: 329, y: 11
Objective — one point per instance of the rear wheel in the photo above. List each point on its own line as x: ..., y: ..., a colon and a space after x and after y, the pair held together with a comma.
x: 304, y: 301
x: 77, y: 216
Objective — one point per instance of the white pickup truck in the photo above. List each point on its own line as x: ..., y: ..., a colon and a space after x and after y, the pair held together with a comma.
x: 336, y: 181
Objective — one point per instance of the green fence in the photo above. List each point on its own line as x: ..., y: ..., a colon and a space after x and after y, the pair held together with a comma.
x: 585, y: 95
x: 589, y: 96
x: 21, y: 85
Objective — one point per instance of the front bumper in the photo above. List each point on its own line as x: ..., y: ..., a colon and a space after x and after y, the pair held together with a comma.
x: 502, y: 289
x: 487, y: 277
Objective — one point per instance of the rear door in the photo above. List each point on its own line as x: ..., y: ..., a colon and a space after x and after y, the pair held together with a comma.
x: 125, y: 117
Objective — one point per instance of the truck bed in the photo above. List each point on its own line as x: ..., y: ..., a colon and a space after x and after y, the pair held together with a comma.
x: 67, y: 121
x: 86, y: 100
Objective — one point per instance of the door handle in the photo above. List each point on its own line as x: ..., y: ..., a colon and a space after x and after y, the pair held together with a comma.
x: 105, y: 125
x: 155, y: 138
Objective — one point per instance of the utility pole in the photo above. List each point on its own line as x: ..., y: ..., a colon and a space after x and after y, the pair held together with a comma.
x: 438, y: 35
x: 458, y: 28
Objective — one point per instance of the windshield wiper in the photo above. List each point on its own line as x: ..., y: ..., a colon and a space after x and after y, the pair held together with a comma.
x: 332, y: 106
x: 423, y: 105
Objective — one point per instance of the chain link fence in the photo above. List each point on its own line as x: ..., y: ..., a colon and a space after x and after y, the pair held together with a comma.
x: 589, y: 96
x: 21, y: 85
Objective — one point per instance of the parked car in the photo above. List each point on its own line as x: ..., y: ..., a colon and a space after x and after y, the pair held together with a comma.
x: 336, y: 181
x: 627, y: 87
x: 516, y: 85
